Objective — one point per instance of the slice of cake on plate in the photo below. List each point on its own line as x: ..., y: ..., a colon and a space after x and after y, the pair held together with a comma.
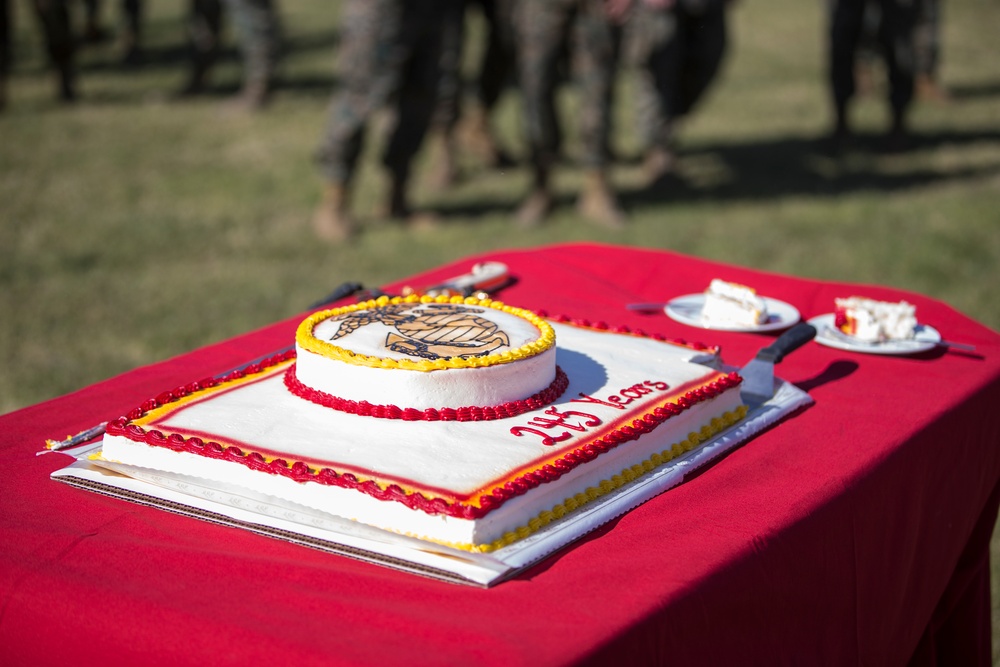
x: 731, y: 304
x: 875, y: 321
x: 464, y: 422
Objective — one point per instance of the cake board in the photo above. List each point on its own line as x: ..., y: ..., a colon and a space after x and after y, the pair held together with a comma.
x: 245, y: 509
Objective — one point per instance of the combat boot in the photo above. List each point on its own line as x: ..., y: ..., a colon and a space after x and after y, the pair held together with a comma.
x: 897, y: 139
x: 478, y: 137
x: 66, y: 81
x: 398, y: 207
x: 929, y: 90
x: 598, y: 203
x: 197, y: 77
x: 535, y: 208
x: 658, y: 164
x: 539, y: 203
x: 252, y: 97
x: 131, y: 54
x: 203, y: 38
x: 332, y: 222
x: 444, y: 174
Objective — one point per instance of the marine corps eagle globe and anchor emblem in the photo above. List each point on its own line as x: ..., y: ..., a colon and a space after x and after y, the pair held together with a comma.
x: 430, y: 331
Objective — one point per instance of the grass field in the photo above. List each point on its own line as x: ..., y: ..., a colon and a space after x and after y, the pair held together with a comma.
x: 134, y: 226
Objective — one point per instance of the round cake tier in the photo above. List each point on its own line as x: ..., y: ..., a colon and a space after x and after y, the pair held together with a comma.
x: 426, y: 352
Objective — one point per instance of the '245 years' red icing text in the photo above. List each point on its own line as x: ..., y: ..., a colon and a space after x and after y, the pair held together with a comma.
x: 581, y: 422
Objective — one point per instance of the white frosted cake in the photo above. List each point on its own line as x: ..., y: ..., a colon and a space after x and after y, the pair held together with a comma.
x: 426, y: 354
x: 875, y: 321
x: 464, y: 422
x: 732, y: 304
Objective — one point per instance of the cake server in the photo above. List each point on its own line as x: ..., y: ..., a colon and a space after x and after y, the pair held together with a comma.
x: 758, y: 375
x: 486, y: 277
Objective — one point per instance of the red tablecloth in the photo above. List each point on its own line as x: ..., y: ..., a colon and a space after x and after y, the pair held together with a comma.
x: 855, y: 532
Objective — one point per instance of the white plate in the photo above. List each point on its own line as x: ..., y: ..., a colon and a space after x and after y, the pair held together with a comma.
x: 687, y: 310
x: 925, y: 338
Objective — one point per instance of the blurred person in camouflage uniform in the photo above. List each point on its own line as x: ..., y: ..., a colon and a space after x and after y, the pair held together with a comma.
x: 257, y: 24
x: 544, y: 30
x: 926, y: 50
x: 130, y: 39
x: 131, y: 16
x: 927, y: 47
x: 55, y: 20
x: 676, y: 48
x: 204, y: 28
x: 457, y: 123
x: 60, y: 46
x: 390, y: 53
x: 897, y: 19
x: 497, y: 70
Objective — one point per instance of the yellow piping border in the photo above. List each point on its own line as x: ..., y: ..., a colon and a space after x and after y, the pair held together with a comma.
x: 606, y: 486
x: 305, y: 339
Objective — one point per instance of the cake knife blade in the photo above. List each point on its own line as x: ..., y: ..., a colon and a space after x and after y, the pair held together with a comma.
x: 758, y: 375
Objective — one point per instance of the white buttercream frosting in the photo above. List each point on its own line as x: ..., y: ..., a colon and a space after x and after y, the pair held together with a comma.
x: 478, y: 337
x: 873, y: 321
x: 732, y: 304
x: 613, y: 379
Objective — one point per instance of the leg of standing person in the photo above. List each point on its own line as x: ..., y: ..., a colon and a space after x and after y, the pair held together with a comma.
x: 131, y: 39
x: 896, y: 37
x: 259, y: 32
x: 417, y: 94
x: 390, y: 50
x: 927, y: 48
x: 541, y: 27
x: 683, y: 62
x: 705, y: 45
x: 595, y: 55
x: 649, y: 52
x: 846, y: 19
x: 53, y: 17
x: 367, y: 32
x: 449, y: 88
x: 867, y: 55
x: 92, y: 30
x: 495, y: 71
x: 456, y: 123
x: 204, y: 28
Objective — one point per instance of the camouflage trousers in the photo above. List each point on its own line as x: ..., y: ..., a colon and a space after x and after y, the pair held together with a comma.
x: 258, y: 26
x: 927, y: 37
x: 544, y: 30
x: 895, y: 35
x: 259, y: 29
x: 675, y: 54
x: 495, y: 69
x: 57, y: 31
x: 390, y: 53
